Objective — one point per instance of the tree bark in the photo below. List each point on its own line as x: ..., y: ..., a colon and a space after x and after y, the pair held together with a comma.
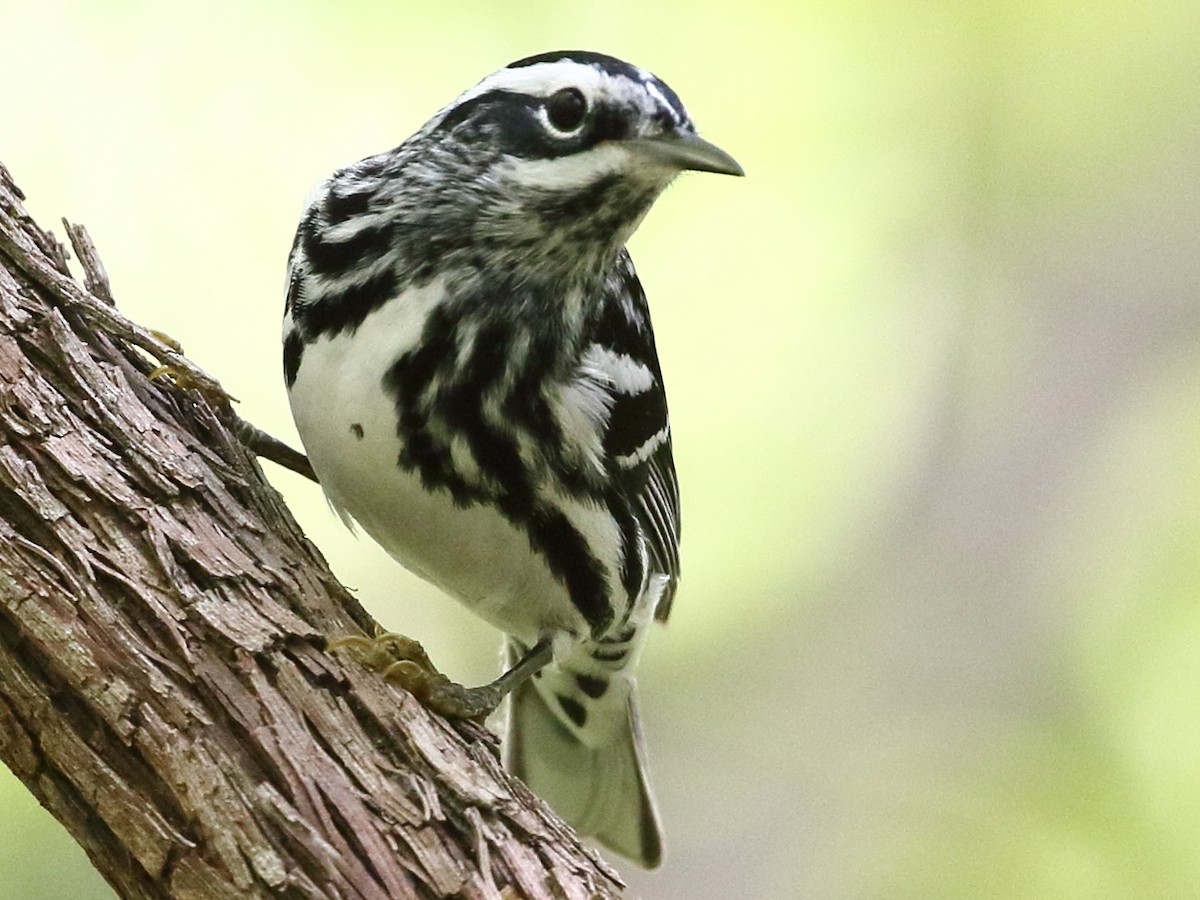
x: 164, y: 687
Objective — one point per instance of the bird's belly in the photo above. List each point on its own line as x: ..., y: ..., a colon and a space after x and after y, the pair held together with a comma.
x: 348, y: 426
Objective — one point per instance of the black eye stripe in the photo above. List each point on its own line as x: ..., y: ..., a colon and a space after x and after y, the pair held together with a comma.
x: 516, y: 123
x: 469, y: 108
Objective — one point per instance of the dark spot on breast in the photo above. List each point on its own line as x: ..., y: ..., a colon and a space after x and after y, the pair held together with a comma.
x: 356, y: 429
x: 574, y: 710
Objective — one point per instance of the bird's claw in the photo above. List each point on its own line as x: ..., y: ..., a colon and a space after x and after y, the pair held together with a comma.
x: 167, y: 339
x: 181, y: 379
x: 383, y: 651
x: 403, y: 661
x: 184, y: 381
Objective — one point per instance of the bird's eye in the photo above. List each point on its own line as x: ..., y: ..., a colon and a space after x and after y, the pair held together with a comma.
x: 566, y: 109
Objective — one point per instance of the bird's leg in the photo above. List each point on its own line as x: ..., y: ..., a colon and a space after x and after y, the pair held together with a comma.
x: 404, y: 661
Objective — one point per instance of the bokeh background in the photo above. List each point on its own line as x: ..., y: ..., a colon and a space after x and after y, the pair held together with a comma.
x: 934, y: 379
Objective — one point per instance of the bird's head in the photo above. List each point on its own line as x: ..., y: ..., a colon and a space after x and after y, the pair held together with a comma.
x: 559, y: 155
x: 568, y: 118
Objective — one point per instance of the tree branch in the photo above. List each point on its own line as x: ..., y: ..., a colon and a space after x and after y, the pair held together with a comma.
x: 164, y: 689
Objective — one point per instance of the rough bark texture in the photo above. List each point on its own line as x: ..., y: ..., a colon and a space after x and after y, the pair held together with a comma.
x: 164, y: 690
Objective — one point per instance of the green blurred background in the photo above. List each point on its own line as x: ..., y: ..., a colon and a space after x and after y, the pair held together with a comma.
x: 933, y: 372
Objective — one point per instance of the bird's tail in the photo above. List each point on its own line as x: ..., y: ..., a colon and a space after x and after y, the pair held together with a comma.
x: 574, y: 738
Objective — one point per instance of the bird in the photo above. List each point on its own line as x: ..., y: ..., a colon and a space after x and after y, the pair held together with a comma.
x: 472, y: 371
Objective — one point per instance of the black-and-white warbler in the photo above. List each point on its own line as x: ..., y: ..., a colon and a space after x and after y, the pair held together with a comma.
x: 471, y: 367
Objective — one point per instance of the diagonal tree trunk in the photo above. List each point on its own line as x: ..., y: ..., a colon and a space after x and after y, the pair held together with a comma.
x: 164, y: 689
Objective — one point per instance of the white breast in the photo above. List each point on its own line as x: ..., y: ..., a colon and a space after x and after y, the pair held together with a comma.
x: 347, y: 423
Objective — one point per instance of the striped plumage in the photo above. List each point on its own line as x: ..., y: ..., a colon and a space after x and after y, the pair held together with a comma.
x: 471, y: 366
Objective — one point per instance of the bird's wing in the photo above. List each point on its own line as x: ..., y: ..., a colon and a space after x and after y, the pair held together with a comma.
x: 637, y: 433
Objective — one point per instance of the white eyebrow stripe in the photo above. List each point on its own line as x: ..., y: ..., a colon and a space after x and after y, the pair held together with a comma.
x: 638, y: 89
x: 541, y: 79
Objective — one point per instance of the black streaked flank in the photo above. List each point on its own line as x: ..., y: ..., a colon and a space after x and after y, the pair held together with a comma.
x: 457, y: 409
x: 418, y: 367
x: 430, y: 459
x: 526, y: 403
x: 574, y: 709
x: 458, y: 406
x: 493, y: 446
x: 345, y: 308
x: 295, y: 283
x: 592, y: 686
x: 610, y: 652
x: 499, y: 458
x: 526, y: 406
x: 571, y: 561
x: 293, y: 352
x: 652, y: 845
x: 467, y: 383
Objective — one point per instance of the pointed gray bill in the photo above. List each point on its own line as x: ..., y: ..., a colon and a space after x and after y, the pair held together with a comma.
x: 685, y: 151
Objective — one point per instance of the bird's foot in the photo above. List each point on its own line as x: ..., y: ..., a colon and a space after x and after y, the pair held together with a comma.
x: 402, y: 660
x: 180, y: 378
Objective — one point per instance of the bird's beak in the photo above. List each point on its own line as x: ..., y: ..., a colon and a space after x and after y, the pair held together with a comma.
x: 685, y: 151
